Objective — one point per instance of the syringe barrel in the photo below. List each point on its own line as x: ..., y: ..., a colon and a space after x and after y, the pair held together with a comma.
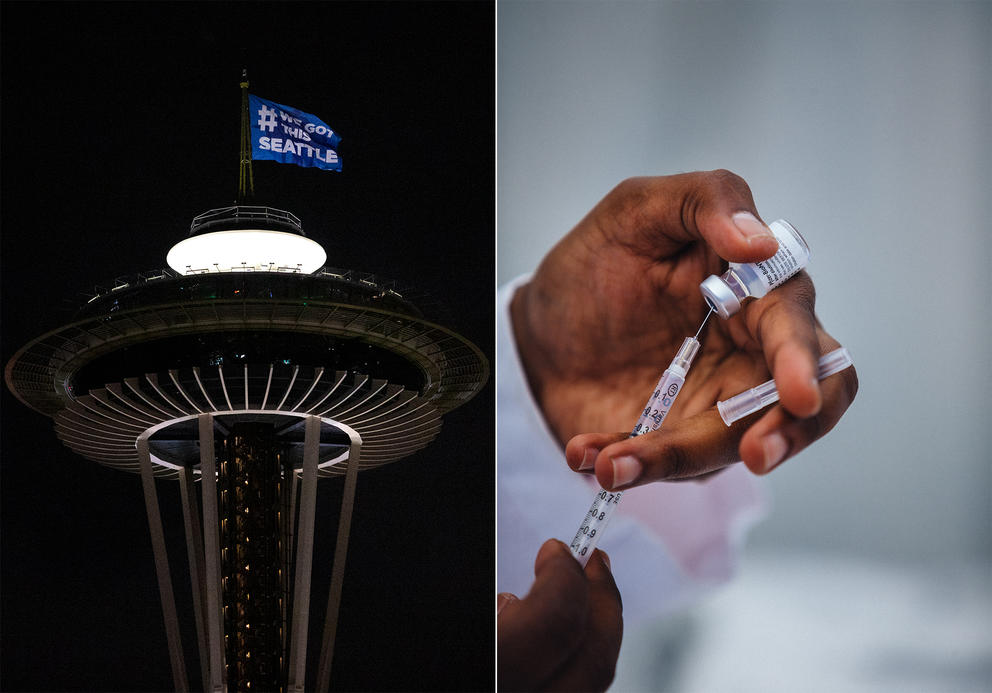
x: 667, y: 389
x: 592, y: 527
x: 654, y: 413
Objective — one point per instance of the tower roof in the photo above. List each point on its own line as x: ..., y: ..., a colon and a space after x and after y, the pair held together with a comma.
x: 246, y: 238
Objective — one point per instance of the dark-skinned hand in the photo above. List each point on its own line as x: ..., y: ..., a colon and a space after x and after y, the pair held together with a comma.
x: 565, y: 634
x: 610, y: 305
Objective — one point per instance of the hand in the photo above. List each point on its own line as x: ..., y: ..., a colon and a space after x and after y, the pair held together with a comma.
x: 611, y: 303
x: 565, y: 634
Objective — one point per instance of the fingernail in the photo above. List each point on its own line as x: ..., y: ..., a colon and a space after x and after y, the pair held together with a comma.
x: 750, y: 227
x: 625, y: 470
x: 502, y: 599
x: 776, y: 447
x: 588, y: 458
x: 606, y: 559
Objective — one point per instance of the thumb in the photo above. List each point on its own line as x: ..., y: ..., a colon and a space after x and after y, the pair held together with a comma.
x: 663, y: 214
x: 687, y: 449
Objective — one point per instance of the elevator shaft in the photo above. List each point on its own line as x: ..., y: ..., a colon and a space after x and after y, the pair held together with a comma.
x: 254, y: 505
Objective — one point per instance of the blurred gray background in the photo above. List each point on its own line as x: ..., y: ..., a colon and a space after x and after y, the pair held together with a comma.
x: 869, y: 126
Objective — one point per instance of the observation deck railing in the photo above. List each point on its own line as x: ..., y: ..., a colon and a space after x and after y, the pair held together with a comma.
x: 366, y: 279
x: 371, y: 285
x: 241, y: 215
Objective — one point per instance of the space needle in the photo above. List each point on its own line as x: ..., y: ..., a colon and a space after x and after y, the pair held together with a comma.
x: 246, y: 372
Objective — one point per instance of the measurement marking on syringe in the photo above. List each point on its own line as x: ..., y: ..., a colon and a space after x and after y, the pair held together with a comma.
x: 599, y: 512
x: 651, y: 418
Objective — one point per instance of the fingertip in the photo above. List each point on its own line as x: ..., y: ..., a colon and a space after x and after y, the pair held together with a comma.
x: 752, y: 453
x: 574, y: 453
x: 757, y: 237
x: 758, y: 444
x: 580, y: 454
x: 552, y: 546
x: 626, y: 470
x: 616, y: 466
x: 775, y: 449
x: 795, y: 378
x: 739, y: 237
x: 504, y: 598
x: 604, y: 473
x: 617, y: 472
x: 550, y: 551
x: 767, y: 454
x: 801, y: 399
x: 606, y: 559
x: 582, y: 451
x: 762, y: 248
x: 599, y: 567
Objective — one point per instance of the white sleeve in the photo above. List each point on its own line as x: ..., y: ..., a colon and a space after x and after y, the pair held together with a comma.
x: 667, y: 541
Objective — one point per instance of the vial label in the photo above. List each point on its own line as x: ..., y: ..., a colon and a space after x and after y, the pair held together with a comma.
x: 791, y: 257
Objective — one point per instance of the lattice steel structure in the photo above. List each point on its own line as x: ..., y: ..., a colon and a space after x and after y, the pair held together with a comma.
x: 255, y: 383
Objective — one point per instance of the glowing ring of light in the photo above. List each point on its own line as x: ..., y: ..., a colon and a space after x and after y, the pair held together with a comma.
x: 246, y: 249
x: 331, y: 463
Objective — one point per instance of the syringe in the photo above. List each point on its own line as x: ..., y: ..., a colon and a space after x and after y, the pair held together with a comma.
x: 657, y: 408
x: 757, y: 398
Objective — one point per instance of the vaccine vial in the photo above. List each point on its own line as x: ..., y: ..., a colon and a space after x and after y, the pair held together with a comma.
x: 726, y: 293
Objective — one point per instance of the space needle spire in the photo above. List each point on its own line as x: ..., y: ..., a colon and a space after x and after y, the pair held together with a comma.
x: 246, y: 179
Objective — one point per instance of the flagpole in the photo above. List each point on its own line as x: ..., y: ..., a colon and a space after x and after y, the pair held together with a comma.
x: 246, y: 179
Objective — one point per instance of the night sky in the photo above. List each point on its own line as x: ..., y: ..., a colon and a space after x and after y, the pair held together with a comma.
x: 119, y: 125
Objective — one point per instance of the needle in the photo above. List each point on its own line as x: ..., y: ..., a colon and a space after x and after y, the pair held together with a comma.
x: 703, y: 324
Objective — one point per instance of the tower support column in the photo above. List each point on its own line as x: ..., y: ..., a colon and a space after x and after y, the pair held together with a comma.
x: 304, y: 556
x: 194, y: 552
x: 337, y: 571
x: 211, y: 551
x: 162, y: 568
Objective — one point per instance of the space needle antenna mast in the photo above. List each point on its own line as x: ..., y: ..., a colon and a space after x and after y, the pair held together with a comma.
x: 246, y: 179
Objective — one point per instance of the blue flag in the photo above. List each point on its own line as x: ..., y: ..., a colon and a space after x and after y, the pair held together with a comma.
x: 290, y: 136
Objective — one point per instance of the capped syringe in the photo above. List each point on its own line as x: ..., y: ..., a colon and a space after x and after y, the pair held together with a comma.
x: 757, y: 398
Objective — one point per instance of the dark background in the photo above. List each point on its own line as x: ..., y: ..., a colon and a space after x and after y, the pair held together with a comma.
x: 119, y: 125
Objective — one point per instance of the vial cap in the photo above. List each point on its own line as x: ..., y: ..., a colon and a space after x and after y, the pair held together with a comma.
x: 720, y: 296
